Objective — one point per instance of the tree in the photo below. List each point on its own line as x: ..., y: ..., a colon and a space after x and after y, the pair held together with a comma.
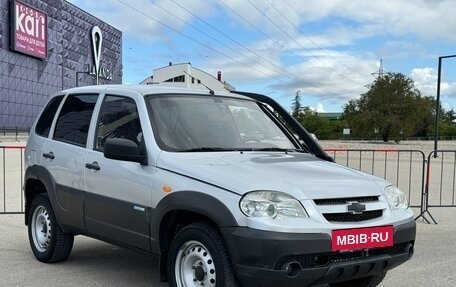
x: 425, y: 113
x: 449, y: 116
x: 315, y: 124
x: 447, y: 124
x: 392, y: 106
x: 296, y: 106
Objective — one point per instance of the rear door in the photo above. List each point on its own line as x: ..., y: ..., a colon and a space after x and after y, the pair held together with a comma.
x: 118, y: 193
x: 64, y: 156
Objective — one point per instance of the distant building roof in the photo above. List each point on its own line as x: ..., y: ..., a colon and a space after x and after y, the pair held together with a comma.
x: 184, y: 75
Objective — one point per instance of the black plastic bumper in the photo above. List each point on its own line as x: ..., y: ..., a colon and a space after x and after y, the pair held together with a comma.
x: 261, y: 258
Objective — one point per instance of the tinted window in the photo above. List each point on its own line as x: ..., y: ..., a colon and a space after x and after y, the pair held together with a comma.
x: 45, y: 121
x: 74, y: 119
x: 118, y: 119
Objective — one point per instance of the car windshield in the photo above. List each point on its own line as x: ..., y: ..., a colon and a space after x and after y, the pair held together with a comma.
x: 211, y: 123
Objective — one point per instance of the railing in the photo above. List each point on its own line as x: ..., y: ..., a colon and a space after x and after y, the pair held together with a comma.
x: 379, y: 140
x: 14, y: 134
x: 440, y: 181
x: 429, y: 182
x: 405, y: 168
x: 11, y: 180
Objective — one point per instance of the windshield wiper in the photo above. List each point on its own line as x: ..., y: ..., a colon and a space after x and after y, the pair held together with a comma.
x: 278, y: 149
x: 209, y: 149
x: 204, y: 149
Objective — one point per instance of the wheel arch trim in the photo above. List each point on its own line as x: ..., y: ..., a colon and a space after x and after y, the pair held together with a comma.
x: 191, y: 201
x: 41, y: 174
x: 204, y: 205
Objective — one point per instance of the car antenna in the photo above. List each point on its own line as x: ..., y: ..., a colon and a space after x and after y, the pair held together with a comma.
x: 211, y: 91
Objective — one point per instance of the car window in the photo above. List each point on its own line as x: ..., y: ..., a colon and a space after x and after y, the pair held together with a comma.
x: 194, y: 122
x: 74, y: 119
x: 44, y: 123
x: 118, y: 119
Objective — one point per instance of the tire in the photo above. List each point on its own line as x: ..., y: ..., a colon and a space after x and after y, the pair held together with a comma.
x: 48, y: 242
x: 370, y: 281
x: 198, y: 256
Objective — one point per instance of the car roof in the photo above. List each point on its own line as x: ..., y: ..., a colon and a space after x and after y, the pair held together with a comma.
x: 150, y: 90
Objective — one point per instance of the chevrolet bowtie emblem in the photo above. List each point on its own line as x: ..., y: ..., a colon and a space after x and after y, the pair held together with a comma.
x: 356, y: 207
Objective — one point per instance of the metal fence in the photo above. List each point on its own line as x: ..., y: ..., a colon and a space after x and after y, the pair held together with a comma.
x: 404, y: 168
x: 11, y: 180
x: 428, y: 181
x: 440, y: 187
x: 14, y: 134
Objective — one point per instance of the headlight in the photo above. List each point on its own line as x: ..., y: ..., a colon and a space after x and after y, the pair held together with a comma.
x: 396, y: 198
x: 271, y: 204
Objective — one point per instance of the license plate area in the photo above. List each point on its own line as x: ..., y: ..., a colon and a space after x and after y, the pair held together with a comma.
x: 362, y: 238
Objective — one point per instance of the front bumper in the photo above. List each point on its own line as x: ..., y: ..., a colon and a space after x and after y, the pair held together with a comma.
x: 262, y: 258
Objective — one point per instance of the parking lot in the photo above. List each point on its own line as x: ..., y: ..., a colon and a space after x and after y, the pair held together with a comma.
x: 94, y: 263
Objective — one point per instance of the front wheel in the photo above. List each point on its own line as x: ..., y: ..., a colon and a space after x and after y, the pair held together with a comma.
x: 198, y: 256
x: 370, y: 281
x: 48, y: 242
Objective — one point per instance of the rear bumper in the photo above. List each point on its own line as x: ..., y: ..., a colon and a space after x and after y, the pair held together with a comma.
x: 262, y: 258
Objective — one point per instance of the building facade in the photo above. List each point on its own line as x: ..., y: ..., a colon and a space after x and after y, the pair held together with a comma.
x: 184, y: 75
x: 47, y: 46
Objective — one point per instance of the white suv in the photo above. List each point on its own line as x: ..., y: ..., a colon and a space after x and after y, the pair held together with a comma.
x: 226, y: 188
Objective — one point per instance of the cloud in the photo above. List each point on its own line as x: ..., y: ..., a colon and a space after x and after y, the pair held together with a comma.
x: 144, y: 19
x: 319, y: 108
x: 318, y: 80
x: 399, y: 50
x: 425, y: 18
x: 448, y: 89
x: 247, y: 67
x: 330, y: 75
x: 279, y: 56
x: 426, y: 81
x: 447, y: 106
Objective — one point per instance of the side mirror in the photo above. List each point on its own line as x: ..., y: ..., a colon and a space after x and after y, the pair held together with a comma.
x: 123, y: 149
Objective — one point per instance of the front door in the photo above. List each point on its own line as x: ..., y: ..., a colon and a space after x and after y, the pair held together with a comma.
x: 118, y: 193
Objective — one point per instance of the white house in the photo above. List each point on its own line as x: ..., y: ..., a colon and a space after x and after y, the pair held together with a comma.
x: 184, y: 75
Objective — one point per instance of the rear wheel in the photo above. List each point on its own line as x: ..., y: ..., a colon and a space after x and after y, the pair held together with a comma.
x: 370, y: 281
x: 198, y: 256
x: 48, y: 242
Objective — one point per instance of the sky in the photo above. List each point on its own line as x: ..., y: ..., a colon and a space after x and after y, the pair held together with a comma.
x: 328, y: 51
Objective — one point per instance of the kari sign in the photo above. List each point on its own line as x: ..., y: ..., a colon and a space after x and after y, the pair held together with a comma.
x: 28, y: 30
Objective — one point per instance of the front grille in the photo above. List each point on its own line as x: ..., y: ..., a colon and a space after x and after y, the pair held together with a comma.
x: 324, y: 259
x: 350, y: 217
x: 336, y: 201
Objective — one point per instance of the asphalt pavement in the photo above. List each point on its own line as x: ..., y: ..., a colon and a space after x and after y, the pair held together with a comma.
x: 95, y: 263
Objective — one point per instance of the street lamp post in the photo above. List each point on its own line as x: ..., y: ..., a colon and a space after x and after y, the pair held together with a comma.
x: 437, y: 104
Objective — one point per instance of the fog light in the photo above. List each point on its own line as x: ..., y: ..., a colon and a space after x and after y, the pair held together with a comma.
x: 292, y: 269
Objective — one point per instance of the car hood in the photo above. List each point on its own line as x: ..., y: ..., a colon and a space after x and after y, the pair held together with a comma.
x: 300, y: 175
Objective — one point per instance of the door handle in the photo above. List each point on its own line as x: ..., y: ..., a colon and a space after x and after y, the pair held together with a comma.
x: 94, y: 165
x: 49, y: 155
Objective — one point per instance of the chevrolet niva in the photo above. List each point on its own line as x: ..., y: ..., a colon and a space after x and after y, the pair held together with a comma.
x: 226, y: 188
